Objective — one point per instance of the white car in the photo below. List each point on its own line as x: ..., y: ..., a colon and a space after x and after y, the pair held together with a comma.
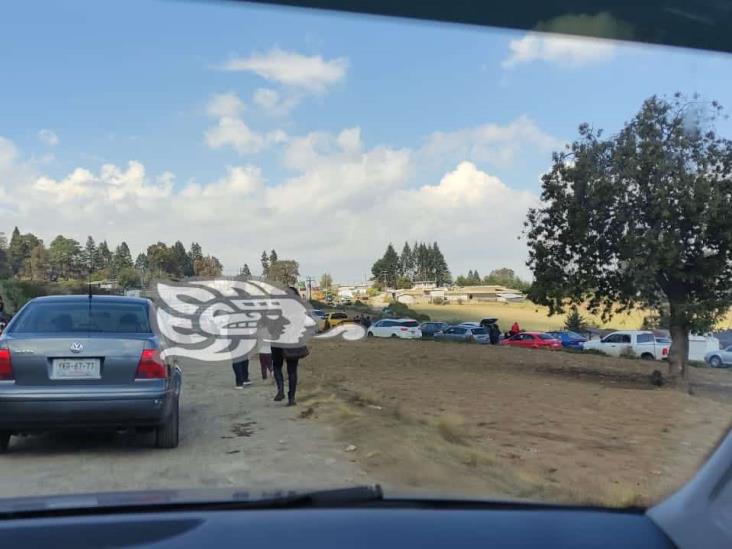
x: 406, y: 328
x: 641, y: 343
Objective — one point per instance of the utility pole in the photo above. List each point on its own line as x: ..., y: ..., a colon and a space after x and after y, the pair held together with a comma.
x: 310, y: 281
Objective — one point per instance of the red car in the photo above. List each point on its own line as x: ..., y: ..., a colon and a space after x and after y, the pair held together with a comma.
x: 533, y: 340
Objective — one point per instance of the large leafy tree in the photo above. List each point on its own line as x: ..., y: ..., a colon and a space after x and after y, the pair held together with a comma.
x: 284, y: 271
x: 326, y: 281
x: 65, y: 258
x: 641, y: 218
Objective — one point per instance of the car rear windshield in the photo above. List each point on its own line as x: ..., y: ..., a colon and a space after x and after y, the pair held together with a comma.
x: 410, y: 323
x: 546, y: 336
x: 82, y: 316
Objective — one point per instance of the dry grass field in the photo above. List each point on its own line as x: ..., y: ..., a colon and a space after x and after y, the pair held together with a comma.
x: 530, y: 316
x: 494, y: 421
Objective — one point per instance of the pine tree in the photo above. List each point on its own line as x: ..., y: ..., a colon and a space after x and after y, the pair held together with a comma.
x: 265, y: 264
x: 90, y: 255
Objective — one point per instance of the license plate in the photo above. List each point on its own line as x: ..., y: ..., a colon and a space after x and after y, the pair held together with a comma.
x: 75, y: 368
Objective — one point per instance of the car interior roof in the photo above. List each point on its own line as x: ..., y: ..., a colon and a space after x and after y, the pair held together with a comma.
x: 686, y: 23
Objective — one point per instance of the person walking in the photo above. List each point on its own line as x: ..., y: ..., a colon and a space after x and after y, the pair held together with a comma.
x: 265, y: 358
x: 241, y: 373
x: 290, y: 356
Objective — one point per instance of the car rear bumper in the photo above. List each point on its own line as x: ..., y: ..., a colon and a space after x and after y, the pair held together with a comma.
x: 42, y: 412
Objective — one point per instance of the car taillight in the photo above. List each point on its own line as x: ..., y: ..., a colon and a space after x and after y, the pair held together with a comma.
x: 664, y: 351
x: 6, y: 366
x: 404, y: 329
x: 151, y: 366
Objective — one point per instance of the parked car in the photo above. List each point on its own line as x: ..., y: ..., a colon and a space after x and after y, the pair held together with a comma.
x: 641, y: 343
x: 429, y: 329
x: 466, y: 333
x: 86, y: 362
x: 719, y: 359
x: 569, y: 339
x: 405, y: 328
x: 533, y: 340
x: 319, y: 316
x: 331, y: 320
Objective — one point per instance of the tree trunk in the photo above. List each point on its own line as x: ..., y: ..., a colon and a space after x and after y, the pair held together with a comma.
x: 678, y: 355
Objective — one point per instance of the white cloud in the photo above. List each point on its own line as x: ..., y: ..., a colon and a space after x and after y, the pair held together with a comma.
x: 310, y: 73
x: 337, y: 211
x: 494, y: 144
x: 274, y: 102
x: 8, y: 153
x: 48, y: 137
x: 225, y: 105
x: 231, y: 130
x: 562, y: 50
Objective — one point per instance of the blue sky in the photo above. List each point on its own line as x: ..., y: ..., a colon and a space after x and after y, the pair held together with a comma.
x: 119, y: 82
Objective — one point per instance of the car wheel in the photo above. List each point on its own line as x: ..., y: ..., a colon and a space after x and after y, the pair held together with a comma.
x: 4, y: 441
x: 394, y: 335
x: 647, y: 356
x: 370, y: 334
x: 166, y: 436
x: 715, y: 362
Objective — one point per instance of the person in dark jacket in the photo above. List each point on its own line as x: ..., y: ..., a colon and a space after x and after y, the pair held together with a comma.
x: 290, y: 356
x: 494, y: 332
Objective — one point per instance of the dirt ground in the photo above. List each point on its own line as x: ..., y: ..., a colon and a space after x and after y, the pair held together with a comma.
x: 492, y: 421
x: 412, y: 415
x: 229, y: 437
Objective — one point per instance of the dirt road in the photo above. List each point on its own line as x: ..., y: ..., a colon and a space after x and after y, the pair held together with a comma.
x: 229, y: 437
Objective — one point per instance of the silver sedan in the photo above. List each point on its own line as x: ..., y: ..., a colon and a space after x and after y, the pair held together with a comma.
x: 86, y: 362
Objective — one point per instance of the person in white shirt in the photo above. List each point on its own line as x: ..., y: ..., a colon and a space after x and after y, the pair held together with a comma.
x: 265, y: 358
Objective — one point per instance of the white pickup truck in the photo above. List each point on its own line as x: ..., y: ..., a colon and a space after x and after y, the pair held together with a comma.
x: 642, y: 344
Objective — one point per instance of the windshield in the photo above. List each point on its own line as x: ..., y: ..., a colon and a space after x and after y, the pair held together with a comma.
x: 240, y: 165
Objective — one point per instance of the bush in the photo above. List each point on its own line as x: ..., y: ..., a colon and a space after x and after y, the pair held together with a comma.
x: 16, y: 293
x: 574, y: 321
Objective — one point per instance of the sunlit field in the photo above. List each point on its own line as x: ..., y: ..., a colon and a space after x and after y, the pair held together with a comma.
x: 531, y: 316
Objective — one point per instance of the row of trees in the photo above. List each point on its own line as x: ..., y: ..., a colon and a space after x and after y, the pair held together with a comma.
x: 27, y: 257
x: 419, y: 262
x: 498, y: 277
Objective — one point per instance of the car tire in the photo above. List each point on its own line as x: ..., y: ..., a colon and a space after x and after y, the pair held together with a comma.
x: 4, y: 441
x: 166, y: 435
x: 394, y: 335
x: 715, y: 362
x: 370, y: 334
x: 647, y: 356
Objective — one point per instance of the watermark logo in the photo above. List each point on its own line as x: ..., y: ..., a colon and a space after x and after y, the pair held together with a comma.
x: 228, y: 319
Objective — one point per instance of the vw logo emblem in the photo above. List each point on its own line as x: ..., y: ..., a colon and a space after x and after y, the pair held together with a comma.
x: 76, y: 347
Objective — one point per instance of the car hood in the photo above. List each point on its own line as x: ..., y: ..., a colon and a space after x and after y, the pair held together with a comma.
x: 152, y: 500
x: 141, y: 498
